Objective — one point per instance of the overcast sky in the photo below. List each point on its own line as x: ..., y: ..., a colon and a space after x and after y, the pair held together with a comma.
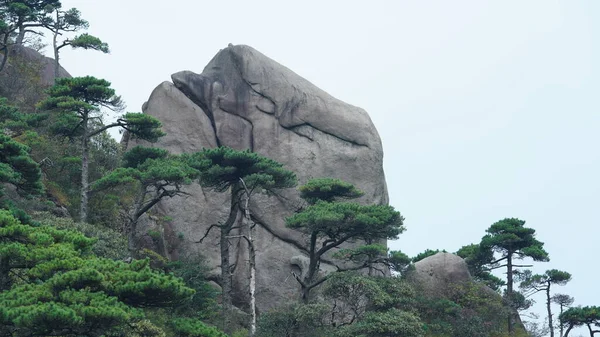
x: 486, y: 109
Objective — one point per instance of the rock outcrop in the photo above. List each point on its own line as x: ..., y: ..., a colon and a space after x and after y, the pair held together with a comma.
x: 435, y: 273
x: 245, y: 100
x: 444, y: 274
x: 45, y: 64
x: 25, y: 76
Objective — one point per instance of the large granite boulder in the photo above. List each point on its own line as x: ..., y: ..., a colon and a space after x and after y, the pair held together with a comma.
x: 436, y: 273
x: 245, y: 100
x: 25, y: 77
x: 45, y: 65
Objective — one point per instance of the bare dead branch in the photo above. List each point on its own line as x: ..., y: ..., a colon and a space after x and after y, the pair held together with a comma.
x: 207, y: 232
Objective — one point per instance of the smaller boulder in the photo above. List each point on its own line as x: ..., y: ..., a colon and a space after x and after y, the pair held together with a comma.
x: 435, y: 273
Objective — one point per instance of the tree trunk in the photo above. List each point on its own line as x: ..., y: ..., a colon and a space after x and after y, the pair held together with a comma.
x: 85, y: 186
x: 305, y: 294
x: 20, y: 36
x: 560, y: 321
x: 55, y: 48
x: 226, y: 284
x: 313, y: 267
x: 251, y: 260
x: 568, y: 330
x: 225, y: 272
x: 591, y: 330
x: 252, y: 266
x: 509, y: 291
x: 548, y: 307
x: 131, y: 227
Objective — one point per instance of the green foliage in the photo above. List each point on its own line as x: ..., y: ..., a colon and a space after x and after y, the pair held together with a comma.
x: 193, y: 270
x: 295, y: 321
x: 541, y: 282
x: 240, y: 333
x: 77, y: 103
x: 188, y: 327
x: 388, y: 323
x: 141, y: 126
x: 399, y: 262
x: 510, y: 236
x: 466, y: 309
x: 155, y: 175
x: 363, y: 254
x: 425, y: 254
x: 222, y: 167
x: 54, y: 284
x: 243, y: 173
x: 136, y: 156
x: 17, y: 168
x: 16, y: 122
x: 563, y: 300
x: 328, y: 189
x: 141, y: 328
x: 108, y: 244
x: 343, y: 221
x: 87, y: 41
x: 71, y: 21
x: 339, y: 222
x: 355, y: 294
x: 78, y: 93
x: 580, y: 316
x: 20, y: 16
x: 478, y: 261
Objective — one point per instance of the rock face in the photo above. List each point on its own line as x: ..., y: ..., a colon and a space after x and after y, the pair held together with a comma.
x: 245, y: 100
x: 45, y: 64
x: 436, y: 272
x: 25, y: 76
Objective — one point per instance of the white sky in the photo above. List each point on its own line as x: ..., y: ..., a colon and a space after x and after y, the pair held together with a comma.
x: 486, y: 109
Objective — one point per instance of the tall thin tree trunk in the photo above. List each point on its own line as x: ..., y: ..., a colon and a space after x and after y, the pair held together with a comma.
x: 509, y: 291
x: 251, y: 263
x: 85, y: 186
x: 226, y: 284
x: 225, y: 272
x: 55, y: 48
x: 561, y: 327
x: 133, y: 221
x: 549, y: 310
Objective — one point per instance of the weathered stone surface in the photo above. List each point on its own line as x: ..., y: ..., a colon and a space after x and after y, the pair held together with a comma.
x: 245, y: 100
x: 435, y: 273
x: 45, y: 64
x: 444, y: 273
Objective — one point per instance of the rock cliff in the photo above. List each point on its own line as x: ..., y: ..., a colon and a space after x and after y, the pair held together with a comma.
x: 245, y: 100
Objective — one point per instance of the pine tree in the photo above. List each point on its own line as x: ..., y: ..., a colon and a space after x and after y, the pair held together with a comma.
x: 513, y: 241
x: 52, y: 284
x: 533, y: 283
x: 240, y: 173
x: 18, y: 168
x: 71, y: 21
x: 19, y: 17
x: 155, y: 174
x: 329, y: 223
x: 78, y: 102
